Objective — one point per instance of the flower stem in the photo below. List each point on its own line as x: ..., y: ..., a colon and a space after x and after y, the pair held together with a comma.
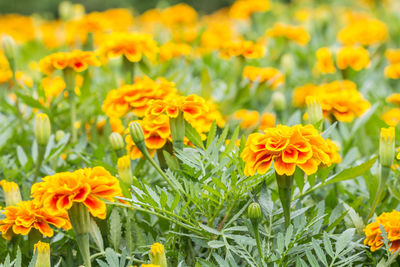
x: 128, y: 70
x: 39, y: 160
x: 257, y: 236
x: 285, y: 184
x: 69, y: 78
x: 80, y: 220
x: 384, y: 176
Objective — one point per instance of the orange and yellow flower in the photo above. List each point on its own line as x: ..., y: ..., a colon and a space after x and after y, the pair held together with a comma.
x: 247, y: 118
x: 392, y: 117
x: 394, y: 99
x: 290, y: 32
x: 325, y: 62
x: 28, y: 215
x: 57, y: 193
x: 393, y: 71
x: 243, y: 9
x: 288, y: 148
x: 172, y: 50
x: 391, y: 223
x: 247, y: 49
x: 393, y: 56
x: 271, y: 76
x: 364, y: 31
x: 356, y: 57
x: 267, y: 121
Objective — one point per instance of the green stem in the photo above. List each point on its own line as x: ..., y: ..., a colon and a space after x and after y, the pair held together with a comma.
x: 129, y: 70
x: 257, y: 236
x: 39, y: 160
x: 285, y: 184
x: 83, y: 244
x: 383, y: 178
x: 80, y: 220
x: 69, y: 77
x: 177, y: 126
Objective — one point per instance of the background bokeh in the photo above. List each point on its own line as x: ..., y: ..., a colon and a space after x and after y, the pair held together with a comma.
x: 50, y: 7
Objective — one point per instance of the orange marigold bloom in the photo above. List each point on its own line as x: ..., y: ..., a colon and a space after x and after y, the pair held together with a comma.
x: 267, y: 121
x: 391, y: 223
x: 171, y: 50
x: 191, y: 106
x: 364, y: 31
x: 339, y: 99
x: 57, y: 193
x: 136, y: 97
x: 393, y: 71
x: 248, y: 118
x: 271, y: 76
x: 392, y: 117
x: 132, y: 46
x: 76, y: 60
x: 356, y: 57
x: 156, y: 133
x: 178, y: 15
x: 243, y: 9
x: 393, y: 56
x: 291, y: 32
x: 247, y: 49
x: 287, y: 147
x: 324, y: 60
x: 394, y: 99
x: 217, y: 32
x: 20, y: 219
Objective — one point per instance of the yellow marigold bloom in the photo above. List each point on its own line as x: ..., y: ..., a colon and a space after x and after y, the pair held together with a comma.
x: 364, y: 31
x: 391, y: 223
x: 43, y: 257
x: 156, y: 133
x: 171, y: 50
x: 12, y: 193
x: 393, y: 71
x: 76, y: 60
x: 248, y: 118
x: 243, y: 9
x: 52, y: 86
x: 178, y: 15
x: 393, y: 56
x: 325, y: 61
x: 356, y: 57
x: 157, y: 255
x: 394, y: 99
x: 133, y: 46
x: 267, y: 121
x: 291, y: 32
x: 52, y: 33
x: 124, y: 169
x: 5, y: 71
x: 339, y: 99
x: 392, y: 117
x: 57, y: 193
x: 192, y: 106
x: 116, y: 125
x: 217, y: 32
x: 287, y: 147
x: 136, y: 97
x: 19, y: 27
x: 247, y: 49
x: 20, y: 219
x: 271, y: 76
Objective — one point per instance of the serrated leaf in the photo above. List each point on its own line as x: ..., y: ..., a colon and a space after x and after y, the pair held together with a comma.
x: 319, y: 252
x: 344, y: 239
x: 193, y: 135
x: 211, y: 134
x: 215, y: 244
x: 95, y: 233
x: 115, y: 228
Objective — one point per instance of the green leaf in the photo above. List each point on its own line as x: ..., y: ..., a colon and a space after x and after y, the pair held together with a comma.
x: 211, y: 134
x: 210, y: 230
x: 193, y: 135
x: 95, y: 233
x: 320, y: 254
x: 215, y: 244
x: 22, y: 158
x: 328, y: 245
x: 30, y: 101
x: 344, y: 239
x: 311, y: 259
x: 328, y: 131
x: 171, y: 161
x: 115, y: 228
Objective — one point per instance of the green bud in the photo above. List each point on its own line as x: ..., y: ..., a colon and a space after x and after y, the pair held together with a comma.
x: 43, y: 254
x: 59, y: 135
x: 278, y: 101
x: 116, y: 141
x: 386, y: 146
x: 314, y: 111
x: 287, y: 63
x: 254, y: 211
x: 8, y: 46
x: 42, y: 129
x: 136, y: 132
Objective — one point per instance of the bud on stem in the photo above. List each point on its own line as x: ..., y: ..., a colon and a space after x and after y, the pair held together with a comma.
x: 8, y: 46
x: 42, y: 129
x: 157, y: 255
x: 43, y: 254
x: 314, y: 112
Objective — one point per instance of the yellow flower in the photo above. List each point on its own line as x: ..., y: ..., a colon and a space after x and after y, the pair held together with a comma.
x: 287, y: 147
x: 43, y: 256
x: 248, y: 118
x: 393, y: 71
x: 364, y: 31
x: 178, y: 15
x: 324, y: 61
x: 391, y: 223
x: 124, y: 169
x: 247, y: 49
x: 271, y: 76
x: 157, y: 255
x: 53, y: 87
x: 393, y: 56
x: 394, y: 99
x: 19, y: 27
x: 171, y: 50
x: 11, y: 192
x: 243, y: 9
x: 291, y: 32
x: 267, y: 121
x: 392, y: 117
x: 5, y: 71
x: 356, y: 57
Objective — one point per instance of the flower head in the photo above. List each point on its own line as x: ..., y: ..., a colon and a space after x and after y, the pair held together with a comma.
x: 243, y: 9
x: 247, y: 49
x: 27, y: 215
x: 324, y: 61
x: 393, y: 71
x: 394, y: 99
x: 247, y: 118
x: 355, y: 57
x: 287, y: 147
x: 271, y: 76
x: 364, y: 31
x: 157, y: 255
x: 11, y: 192
x: 88, y: 186
x: 391, y: 223
x: 290, y: 32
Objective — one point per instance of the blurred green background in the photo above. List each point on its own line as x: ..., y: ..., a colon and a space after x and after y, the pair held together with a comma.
x: 50, y: 7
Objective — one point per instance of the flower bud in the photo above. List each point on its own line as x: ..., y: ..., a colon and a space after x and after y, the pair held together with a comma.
x: 59, y: 135
x: 386, y: 146
x: 287, y: 63
x: 8, y: 46
x: 254, y: 212
x: 314, y: 111
x: 278, y: 101
x: 43, y: 254
x: 42, y: 129
x: 136, y: 132
x: 157, y: 255
x: 116, y: 141
x: 12, y: 193
x: 124, y: 169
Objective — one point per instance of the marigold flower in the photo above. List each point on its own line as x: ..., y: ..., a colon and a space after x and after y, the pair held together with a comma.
x: 291, y: 32
x: 247, y: 49
x: 248, y: 118
x: 57, y: 193
x: 217, y: 32
x: 365, y: 31
x: 267, y: 121
x: 392, y: 117
x: 76, y: 60
x: 124, y: 169
x: 287, y: 147
x: 19, y: 27
x: 324, y: 61
x: 243, y: 9
x: 136, y: 97
x: 157, y: 255
x: 271, y: 76
x: 391, y: 223
x: 133, y: 46
x: 27, y: 215
x: 393, y: 56
x: 178, y: 15
x: 356, y: 57
x: 5, y: 71
x: 172, y: 50
x: 393, y: 71
x: 12, y: 193
x: 53, y: 87
x: 394, y: 99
